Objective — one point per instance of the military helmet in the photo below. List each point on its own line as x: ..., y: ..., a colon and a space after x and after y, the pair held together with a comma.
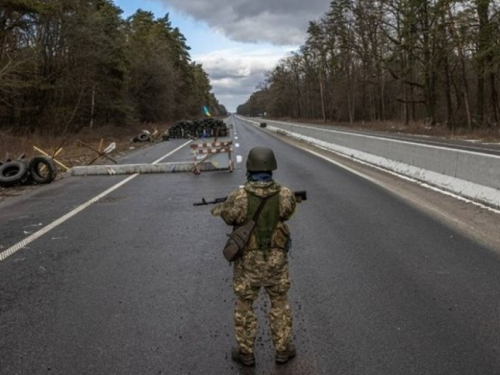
x: 261, y: 159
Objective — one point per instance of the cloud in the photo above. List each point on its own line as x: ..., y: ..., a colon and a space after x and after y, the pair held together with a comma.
x: 235, y: 73
x: 280, y: 22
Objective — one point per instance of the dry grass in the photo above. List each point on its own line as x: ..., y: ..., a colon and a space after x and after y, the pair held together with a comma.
x: 73, y: 153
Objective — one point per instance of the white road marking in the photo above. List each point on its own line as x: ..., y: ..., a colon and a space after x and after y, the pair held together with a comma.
x: 442, y: 147
x: 237, y: 145
x: 171, y: 152
x: 423, y: 184
x: 20, y: 245
x: 239, y: 158
x: 235, y: 137
x: 33, y: 225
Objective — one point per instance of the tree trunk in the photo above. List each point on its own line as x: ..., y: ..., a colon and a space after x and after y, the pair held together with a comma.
x: 494, y: 100
x: 482, y: 46
x: 322, y: 97
x: 458, y: 45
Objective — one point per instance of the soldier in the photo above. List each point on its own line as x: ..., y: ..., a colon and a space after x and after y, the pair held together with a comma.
x: 264, y: 262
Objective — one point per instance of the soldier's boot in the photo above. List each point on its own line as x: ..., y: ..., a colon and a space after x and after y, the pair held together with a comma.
x: 286, y: 355
x: 243, y: 358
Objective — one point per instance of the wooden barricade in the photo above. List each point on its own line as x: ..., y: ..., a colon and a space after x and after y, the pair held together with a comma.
x: 218, y: 153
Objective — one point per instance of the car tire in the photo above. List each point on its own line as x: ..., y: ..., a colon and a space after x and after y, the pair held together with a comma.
x: 35, y: 166
x: 13, y: 173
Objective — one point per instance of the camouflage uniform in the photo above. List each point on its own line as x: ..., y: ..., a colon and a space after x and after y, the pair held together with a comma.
x: 258, y: 268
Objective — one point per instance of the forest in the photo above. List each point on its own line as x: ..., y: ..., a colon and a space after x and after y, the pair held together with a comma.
x: 70, y: 64
x: 411, y: 61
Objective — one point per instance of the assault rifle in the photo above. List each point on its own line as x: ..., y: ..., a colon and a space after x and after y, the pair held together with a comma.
x: 299, y: 196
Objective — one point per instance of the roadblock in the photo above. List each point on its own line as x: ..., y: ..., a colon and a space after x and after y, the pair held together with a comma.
x: 219, y: 154
x: 202, y: 155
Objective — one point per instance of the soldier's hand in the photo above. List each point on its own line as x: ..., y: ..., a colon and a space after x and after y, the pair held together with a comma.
x: 216, y: 210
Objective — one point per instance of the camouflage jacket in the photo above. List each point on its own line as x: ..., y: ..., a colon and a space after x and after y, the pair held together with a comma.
x: 234, y: 210
x: 256, y: 267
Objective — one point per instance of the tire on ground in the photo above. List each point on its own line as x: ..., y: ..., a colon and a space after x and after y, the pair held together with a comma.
x: 13, y: 173
x: 143, y: 137
x: 42, y: 169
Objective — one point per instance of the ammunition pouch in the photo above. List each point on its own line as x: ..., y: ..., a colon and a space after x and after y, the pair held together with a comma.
x: 281, y: 237
x: 235, y: 244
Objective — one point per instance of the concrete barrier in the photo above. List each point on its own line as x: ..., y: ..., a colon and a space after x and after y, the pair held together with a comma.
x: 100, y: 170
x: 470, y: 174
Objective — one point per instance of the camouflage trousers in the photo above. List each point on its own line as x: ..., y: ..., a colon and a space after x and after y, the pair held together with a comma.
x: 250, y: 274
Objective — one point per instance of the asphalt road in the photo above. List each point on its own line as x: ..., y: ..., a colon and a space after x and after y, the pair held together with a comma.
x: 136, y: 283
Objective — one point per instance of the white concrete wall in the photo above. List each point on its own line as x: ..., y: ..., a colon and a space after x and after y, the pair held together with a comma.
x: 470, y: 174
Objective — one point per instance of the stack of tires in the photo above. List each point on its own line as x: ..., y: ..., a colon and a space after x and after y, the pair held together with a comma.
x: 198, y: 129
x: 39, y: 170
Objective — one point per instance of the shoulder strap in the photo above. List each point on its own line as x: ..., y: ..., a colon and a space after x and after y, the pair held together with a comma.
x: 259, y: 210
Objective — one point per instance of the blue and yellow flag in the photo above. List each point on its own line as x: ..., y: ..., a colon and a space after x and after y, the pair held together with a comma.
x: 205, y: 110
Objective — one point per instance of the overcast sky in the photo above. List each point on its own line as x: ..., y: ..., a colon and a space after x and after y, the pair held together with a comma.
x: 237, y: 41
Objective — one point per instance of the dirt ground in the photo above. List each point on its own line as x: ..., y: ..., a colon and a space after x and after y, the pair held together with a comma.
x: 73, y: 152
